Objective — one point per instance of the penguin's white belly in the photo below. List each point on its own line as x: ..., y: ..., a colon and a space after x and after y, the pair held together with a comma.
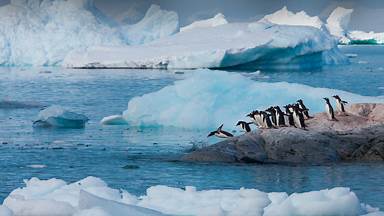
x: 221, y: 135
x: 338, y: 106
x: 328, y: 111
x: 296, y: 119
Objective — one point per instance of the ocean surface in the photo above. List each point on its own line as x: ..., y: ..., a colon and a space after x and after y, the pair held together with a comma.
x: 137, y: 158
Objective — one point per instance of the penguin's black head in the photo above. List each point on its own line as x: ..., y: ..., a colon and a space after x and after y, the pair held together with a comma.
x: 211, y: 134
x: 250, y: 114
x: 326, y: 99
x: 239, y: 123
x: 336, y: 97
x: 299, y: 101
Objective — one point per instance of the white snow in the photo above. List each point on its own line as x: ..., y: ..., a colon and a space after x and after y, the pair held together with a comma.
x: 218, y: 19
x: 56, y: 116
x: 207, y: 98
x: 286, y: 17
x: 113, y: 120
x: 41, y: 33
x: 92, y: 196
x: 251, y: 44
x: 157, y: 23
x: 337, y: 23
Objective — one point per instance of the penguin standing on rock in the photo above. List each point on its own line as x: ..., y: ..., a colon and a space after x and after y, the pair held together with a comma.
x: 266, y: 120
x: 340, y: 104
x: 244, y: 125
x: 272, y: 112
x: 298, y: 117
x: 289, y: 114
x: 256, y: 118
x: 329, y: 110
x: 220, y: 133
x: 304, y: 109
x: 279, y: 117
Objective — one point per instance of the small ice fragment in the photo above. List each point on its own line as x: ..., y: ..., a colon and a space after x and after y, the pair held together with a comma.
x: 37, y: 166
x: 56, y: 116
x: 113, y: 120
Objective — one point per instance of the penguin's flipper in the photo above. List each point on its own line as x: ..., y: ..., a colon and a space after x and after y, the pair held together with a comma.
x: 221, y: 127
x: 344, y: 102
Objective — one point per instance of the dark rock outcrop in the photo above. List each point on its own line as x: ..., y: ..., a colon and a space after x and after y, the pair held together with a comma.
x: 357, y: 136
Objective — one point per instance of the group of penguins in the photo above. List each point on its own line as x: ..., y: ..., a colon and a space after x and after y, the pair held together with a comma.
x: 273, y: 117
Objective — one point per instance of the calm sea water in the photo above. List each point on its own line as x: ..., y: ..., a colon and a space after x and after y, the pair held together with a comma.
x: 151, y: 153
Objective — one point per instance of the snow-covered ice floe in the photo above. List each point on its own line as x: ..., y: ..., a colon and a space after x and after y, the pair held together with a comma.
x: 360, y: 37
x: 56, y: 116
x: 337, y: 23
x: 208, y: 98
x: 113, y: 120
x: 92, y: 196
x: 41, y: 33
x: 246, y: 45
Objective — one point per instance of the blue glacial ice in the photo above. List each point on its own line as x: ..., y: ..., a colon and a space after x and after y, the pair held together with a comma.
x: 208, y: 98
x: 41, y: 33
x: 92, y: 196
x: 56, y: 116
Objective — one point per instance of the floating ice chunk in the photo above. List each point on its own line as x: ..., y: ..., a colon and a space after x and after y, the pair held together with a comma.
x: 218, y: 19
x: 56, y: 116
x: 156, y: 24
x: 286, y: 17
x: 337, y: 23
x: 92, y: 196
x: 37, y: 166
x: 113, y: 120
x: 257, y: 45
x: 208, y: 98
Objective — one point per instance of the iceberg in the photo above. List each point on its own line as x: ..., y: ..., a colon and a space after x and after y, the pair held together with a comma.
x: 243, y: 45
x: 208, y: 98
x: 56, y: 116
x: 286, y: 17
x: 113, y: 120
x: 337, y: 23
x: 92, y: 196
x: 218, y: 19
x: 360, y: 37
x: 156, y: 24
x: 42, y: 33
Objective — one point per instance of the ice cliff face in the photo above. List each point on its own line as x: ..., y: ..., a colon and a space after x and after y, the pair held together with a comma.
x: 337, y: 23
x: 218, y: 19
x: 43, y: 32
x: 156, y: 24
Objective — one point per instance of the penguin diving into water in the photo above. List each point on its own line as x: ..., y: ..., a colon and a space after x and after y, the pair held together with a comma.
x: 304, y: 109
x: 329, y: 110
x: 340, y: 104
x: 244, y: 125
x: 220, y: 133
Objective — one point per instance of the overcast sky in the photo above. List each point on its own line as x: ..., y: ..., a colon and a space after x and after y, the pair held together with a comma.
x: 368, y: 14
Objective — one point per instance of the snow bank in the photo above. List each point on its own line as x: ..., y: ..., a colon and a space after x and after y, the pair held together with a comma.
x: 206, y: 99
x: 41, y: 33
x: 257, y: 45
x: 156, y: 24
x: 337, y: 23
x: 92, y: 196
x: 56, y: 116
x: 218, y: 19
x: 286, y: 17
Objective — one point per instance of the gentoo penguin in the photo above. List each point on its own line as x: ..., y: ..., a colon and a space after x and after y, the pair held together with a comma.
x: 280, y: 120
x: 298, y: 117
x: 329, y: 110
x: 340, y: 104
x: 304, y: 108
x: 244, y: 125
x: 289, y: 114
x: 266, y: 120
x: 220, y: 133
x: 272, y: 112
x: 256, y: 117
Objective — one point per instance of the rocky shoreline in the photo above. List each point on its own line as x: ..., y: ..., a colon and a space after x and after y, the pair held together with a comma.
x: 357, y: 136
